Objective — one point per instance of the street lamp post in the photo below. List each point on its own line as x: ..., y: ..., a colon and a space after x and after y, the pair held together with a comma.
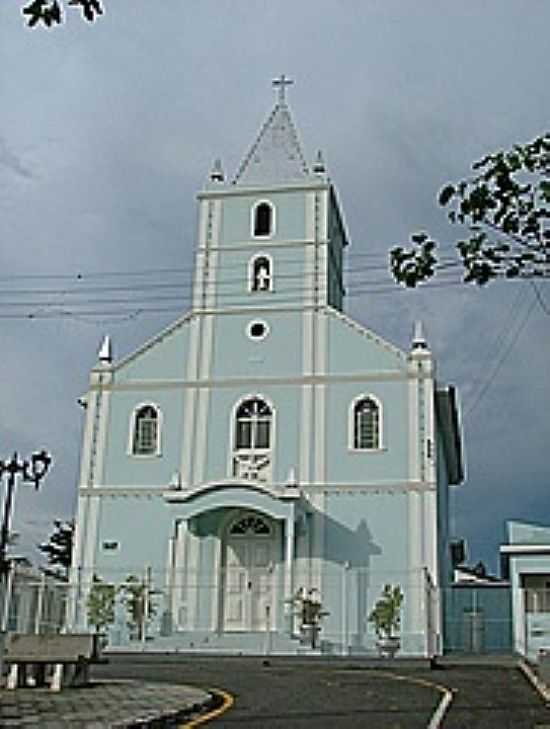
x: 30, y: 471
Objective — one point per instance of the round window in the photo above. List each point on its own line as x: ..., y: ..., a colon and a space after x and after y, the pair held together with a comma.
x: 257, y: 330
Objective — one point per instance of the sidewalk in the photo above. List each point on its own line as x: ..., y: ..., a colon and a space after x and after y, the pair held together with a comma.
x: 101, y: 705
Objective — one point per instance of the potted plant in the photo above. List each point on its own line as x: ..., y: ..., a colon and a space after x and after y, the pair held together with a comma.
x: 101, y: 607
x: 137, y: 597
x: 309, y: 609
x: 386, y: 618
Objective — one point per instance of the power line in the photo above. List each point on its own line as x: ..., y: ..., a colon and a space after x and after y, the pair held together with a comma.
x: 493, y: 374
x: 140, y: 309
x: 541, y: 301
x: 152, y: 297
x: 80, y: 276
x: 167, y: 285
x: 188, y: 273
x: 148, y: 293
x: 495, y: 348
x: 184, y: 294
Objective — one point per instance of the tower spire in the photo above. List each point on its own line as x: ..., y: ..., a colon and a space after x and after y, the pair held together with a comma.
x: 276, y: 156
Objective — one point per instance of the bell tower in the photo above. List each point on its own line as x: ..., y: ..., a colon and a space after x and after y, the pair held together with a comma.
x: 273, y: 237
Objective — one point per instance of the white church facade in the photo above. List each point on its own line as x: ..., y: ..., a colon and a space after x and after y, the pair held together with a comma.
x: 265, y: 443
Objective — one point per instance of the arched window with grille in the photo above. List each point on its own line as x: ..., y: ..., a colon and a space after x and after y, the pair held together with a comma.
x: 145, y: 431
x: 252, y: 440
x: 260, y: 274
x: 263, y: 219
x: 250, y: 525
x: 366, y: 418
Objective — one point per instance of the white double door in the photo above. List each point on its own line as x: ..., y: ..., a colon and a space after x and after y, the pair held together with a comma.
x: 249, y: 584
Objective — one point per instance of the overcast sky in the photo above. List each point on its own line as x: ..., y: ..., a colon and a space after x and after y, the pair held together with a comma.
x: 107, y: 131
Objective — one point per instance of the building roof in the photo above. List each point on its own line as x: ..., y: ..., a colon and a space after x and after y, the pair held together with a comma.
x: 276, y: 155
x: 528, y: 534
x: 477, y: 575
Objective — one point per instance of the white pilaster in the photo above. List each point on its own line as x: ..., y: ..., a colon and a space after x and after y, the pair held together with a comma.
x: 193, y: 574
x: 305, y: 434
x: 289, y: 553
x: 179, y: 587
x: 85, y: 461
x: 416, y: 526
x: 414, y: 460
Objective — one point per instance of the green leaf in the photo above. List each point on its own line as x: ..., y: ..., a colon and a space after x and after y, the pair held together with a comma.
x: 446, y: 194
x: 419, y: 238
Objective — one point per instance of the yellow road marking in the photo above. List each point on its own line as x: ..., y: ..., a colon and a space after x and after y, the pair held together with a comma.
x: 228, y: 702
x: 447, y: 693
x: 397, y: 677
x: 419, y: 681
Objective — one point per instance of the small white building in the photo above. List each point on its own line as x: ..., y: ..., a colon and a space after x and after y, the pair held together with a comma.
x: 526, y: 560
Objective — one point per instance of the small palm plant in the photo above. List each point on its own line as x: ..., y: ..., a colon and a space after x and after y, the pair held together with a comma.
x: 386, y: 618
x: 310, y: 612
x: 101, y: 605
x: 137, y: 597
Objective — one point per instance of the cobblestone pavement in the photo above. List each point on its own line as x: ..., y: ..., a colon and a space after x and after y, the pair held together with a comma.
x: 101, y: 705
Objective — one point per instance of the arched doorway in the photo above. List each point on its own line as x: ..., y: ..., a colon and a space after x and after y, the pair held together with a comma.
x: 249, y: 572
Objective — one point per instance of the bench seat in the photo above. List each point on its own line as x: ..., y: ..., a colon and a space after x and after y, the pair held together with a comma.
x: 66, y: 656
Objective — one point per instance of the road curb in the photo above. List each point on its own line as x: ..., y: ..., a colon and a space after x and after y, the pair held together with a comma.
x: 532, y: 677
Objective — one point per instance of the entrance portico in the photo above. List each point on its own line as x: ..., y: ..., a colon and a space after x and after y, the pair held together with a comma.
x: 251, y: 565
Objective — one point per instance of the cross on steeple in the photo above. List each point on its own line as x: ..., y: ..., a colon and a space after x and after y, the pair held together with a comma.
x: 279, y: 84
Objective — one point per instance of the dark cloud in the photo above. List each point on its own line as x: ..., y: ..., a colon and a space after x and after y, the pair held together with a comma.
x: 123, y: 119
x: 12, y: 162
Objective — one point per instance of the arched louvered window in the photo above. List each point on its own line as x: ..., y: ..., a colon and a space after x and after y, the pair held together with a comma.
x: 146, y: 431
x: 252, y: 440
x: 260, y: 274
x: 263, y: 219
x: 366, y: 424
x: 250, y: 525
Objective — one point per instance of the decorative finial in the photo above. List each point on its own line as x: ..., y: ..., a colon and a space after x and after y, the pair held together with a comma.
x: 419, y: 338
x: 216, y: 173
x: 319, y: 164
x: 105, y: 353
x: 280, y: 84
x: 291, y: 480
x: 175, y: 481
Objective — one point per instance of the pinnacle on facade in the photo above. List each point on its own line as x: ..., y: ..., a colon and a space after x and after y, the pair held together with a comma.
x: 105, y: 353
x: 216, y: 173
x: 419, y: 337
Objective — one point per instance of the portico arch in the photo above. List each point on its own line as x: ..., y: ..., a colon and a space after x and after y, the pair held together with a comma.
x: 237, y: 557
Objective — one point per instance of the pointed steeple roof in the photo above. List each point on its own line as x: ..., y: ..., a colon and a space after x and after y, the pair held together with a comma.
x: 276, y: 156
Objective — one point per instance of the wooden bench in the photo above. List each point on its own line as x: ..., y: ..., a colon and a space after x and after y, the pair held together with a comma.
x: 61, y: 659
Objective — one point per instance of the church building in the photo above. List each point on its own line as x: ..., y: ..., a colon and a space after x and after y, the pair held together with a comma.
x: 266, y: 446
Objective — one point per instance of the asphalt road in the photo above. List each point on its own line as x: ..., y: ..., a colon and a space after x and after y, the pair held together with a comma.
x: 287, y: 692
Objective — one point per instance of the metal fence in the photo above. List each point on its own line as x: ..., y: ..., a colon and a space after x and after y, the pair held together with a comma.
x: 32, y: 603
x: 251, y: 610
x: 478, y: 619
x: 247, y: 611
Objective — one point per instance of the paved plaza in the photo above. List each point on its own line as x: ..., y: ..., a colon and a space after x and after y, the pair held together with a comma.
x: 113, y: 704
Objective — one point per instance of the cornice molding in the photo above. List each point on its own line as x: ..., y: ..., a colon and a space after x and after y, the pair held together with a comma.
x: 281, y: 490
x: 231, y: 382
